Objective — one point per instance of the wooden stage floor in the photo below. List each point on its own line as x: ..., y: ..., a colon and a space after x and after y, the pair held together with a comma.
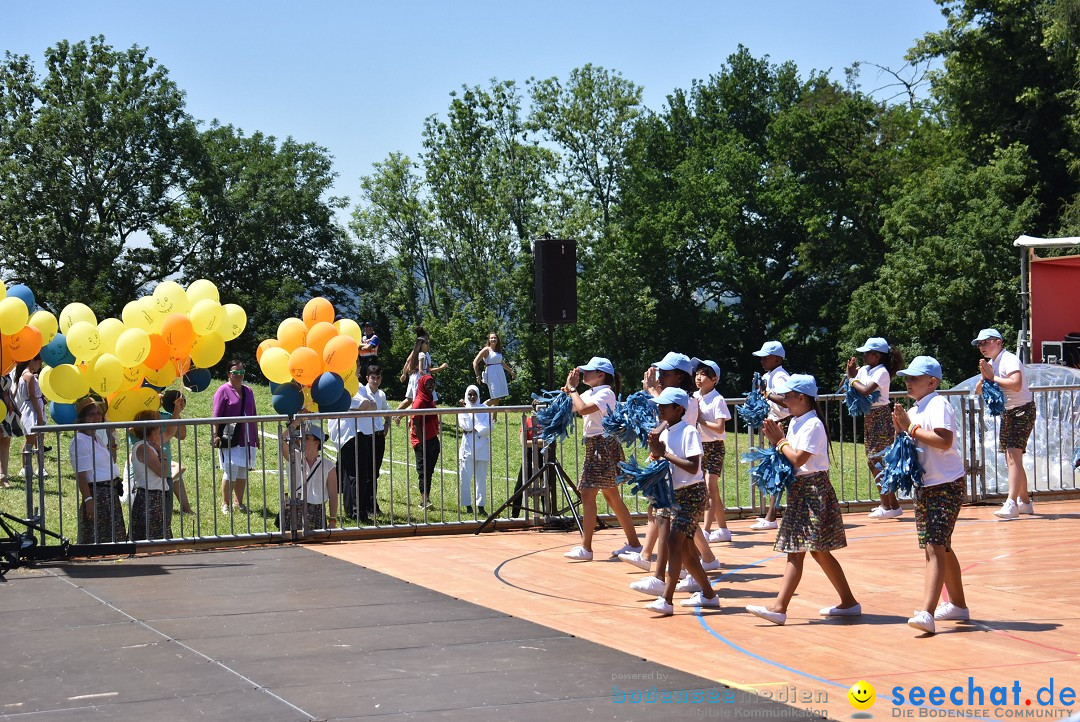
x: 1021, y: 578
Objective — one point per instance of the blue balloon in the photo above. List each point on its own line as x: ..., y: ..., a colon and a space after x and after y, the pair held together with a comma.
x: 327, y: 388
x: 24, y: 294
x: 288, y: 400
x: 56, y: 353
x: 197, y: 379
x: 275, y: 386
x: 62, y: 413
x: 343, y: 403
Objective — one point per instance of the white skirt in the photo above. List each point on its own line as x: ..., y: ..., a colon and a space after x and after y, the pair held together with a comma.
x: 495, y: 378
x: 236, y: 461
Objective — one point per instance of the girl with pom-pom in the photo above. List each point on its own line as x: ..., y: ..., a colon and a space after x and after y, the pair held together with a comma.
x: 813, y: 522
x: 772, y: 357
x: 680, y: 445
x: 880, y: 362
x: 1005, y: 369
x: 713, y: 413
x: 931, y: 423
x: 602, y: 453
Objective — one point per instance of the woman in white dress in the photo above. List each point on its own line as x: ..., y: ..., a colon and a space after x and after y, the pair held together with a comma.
x: 494, y: 369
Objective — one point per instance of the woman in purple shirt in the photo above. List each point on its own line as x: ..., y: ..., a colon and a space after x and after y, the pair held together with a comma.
x: 236, y: 442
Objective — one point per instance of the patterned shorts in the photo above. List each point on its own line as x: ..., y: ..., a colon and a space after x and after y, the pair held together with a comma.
x: 879, y: 431
x: 602, y: 457
x: 691, y: 501
x: 107, y: 524
x: 151, y: 515
x: 936, y: 510
x: 713, y: 463
x: 812, y: 521
x: 1016, y: 427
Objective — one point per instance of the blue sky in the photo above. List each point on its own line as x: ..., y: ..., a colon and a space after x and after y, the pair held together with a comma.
x: 360, y: 77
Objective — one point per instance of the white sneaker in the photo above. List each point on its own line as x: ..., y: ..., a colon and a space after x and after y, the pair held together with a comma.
x: 923, y: 621
x: 625, y: 549
x: 711, y: 566
x: 688, y: 585
x: 649, y: 585
x: 763, y: 523
x: 660, y: 606
x: 1008, y: 510
x: 697, y: 599
x: 226, y: 509
x: 636, y: 559
x: 719, y: 535
x: 579, y: 553
x: 876, y: 512
x: 891, y: 513
x: 949, y: 611
x: 853, y: 611
x: 1028, y: 508
x: 764, y: 613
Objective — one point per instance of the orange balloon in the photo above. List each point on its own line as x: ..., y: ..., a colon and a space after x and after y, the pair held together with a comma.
x: 318, y: 310
x: 178, y: 333
x: 340, y: 354
x: 305, y: 365
x: 24, y: 343
x: 292, y: 334
x: 7, y: 358
x: 159, y: 353
x: 268, y: 343
x: 319, y: 334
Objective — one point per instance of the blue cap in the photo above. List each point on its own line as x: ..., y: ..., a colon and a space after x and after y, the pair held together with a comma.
x: 711, y: 364
x: 672, y: 395
x: 802, y: 383
x: 985, y: 334
x: 922, y: 366
x: 314, y: 430
x: 677, y: 361
x: 771, y: 348
x: 874, y: 344
x: 599, y: 363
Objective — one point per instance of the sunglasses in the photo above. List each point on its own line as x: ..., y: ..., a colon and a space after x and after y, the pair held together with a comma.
x: 238, y: 372
x: 985, y: 342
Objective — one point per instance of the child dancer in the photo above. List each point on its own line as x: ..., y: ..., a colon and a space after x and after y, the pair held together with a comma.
x: 1017, y: 422
x: 602, y: 454
x: 475, y: 453
x: 881, y: 361
x: 713, y: 414
x: 772, y: 357
x: 812, y: 522
x: 680, y: 444
x: 931, y: 423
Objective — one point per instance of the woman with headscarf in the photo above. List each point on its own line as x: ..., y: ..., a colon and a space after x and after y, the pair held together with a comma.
x: 474, y: 455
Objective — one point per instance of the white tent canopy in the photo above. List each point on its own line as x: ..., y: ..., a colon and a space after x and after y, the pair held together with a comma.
x: 1033, y: 242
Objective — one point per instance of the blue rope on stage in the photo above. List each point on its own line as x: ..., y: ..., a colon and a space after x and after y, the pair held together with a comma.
x: 856, y: 403
x: 754, y: 411
x: 631, y: 420
x: 898, y: 466
x: 772, y: 473
x: 653, y: 482
x: 557, y: 417
x: 993, y: 397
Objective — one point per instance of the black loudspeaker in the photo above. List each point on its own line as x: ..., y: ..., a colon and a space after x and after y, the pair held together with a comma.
x: 555, y: 281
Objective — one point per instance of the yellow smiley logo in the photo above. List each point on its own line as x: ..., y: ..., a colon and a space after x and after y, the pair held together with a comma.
x: 862, y: 695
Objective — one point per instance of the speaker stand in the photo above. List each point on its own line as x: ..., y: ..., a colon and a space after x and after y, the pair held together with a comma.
x: 550, y: 466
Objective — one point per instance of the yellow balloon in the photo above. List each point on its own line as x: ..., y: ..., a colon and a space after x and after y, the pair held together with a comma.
x: 352, y: 384
x: 170, y: 297
x: 162, y: 377
x: 75, y: 312
x: 202, y: 290
x: 137, y: 314
x: 207, y: 350
x: 68, y: 383
x: 3, y: 409
x: 235, y: 322
x: 275, y: 365
x: 133, y: 378
x: 132, y: 347
x: 46, y: 323
x: 109, y: 330
x: 291, y: 320
x: 348, y: 327
x: 83, y: 341
x: 206, y: 316
x: 13, y: 315
x: 124, y: 406
x: 107, y: 375
x: 46, y: 386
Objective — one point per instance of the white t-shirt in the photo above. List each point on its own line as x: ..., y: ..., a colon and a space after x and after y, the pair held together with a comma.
x: 878, y: 375
x: 1006, y: 363
x: 86, y: 454
x: 373, y: 423
x: 309, y: 481
x: 605, y: 399
x: 712, y: 407
x: 939, y: 466
x: 683, y: 441
x: 772, y: 379
x: 807, y: 433
x: 142, y: 476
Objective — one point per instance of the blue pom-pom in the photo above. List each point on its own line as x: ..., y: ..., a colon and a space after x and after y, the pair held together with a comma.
x: 631, y: 420
x: 756, y: 408
x: 772, y: 473
x: 653, y: 482
x: 557, y: 417
x: 898, y: 466
x: 856, y: 403
x: 993, y: 397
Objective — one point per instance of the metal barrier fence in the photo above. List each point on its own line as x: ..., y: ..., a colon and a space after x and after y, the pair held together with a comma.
x: 264, y: 512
